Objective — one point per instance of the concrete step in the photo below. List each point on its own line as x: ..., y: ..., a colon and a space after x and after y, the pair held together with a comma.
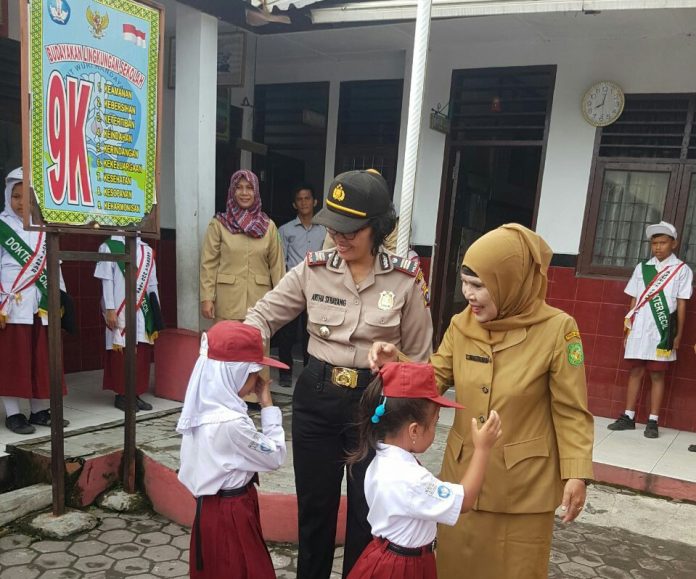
x: 92, y: 457
x: 18, y: 503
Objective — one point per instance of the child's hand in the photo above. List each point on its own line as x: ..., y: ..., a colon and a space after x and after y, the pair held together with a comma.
x: 262, y: 390
x: 380, y: 354
x: 485, y: 437
x: 3, y: 323
x: 111, y: 319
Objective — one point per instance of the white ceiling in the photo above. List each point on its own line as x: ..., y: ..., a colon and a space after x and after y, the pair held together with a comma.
x: 364, y: 40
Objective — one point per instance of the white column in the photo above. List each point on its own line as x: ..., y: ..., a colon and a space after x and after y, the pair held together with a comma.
x: 331, y: 135
x: 194, y: 143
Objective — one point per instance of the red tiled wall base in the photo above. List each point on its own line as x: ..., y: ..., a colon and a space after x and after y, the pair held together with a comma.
x: 599, y: 305
x: 85, y: 351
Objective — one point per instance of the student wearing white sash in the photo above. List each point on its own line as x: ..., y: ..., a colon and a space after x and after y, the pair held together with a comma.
x: 659, y: 289
x: 113, y: 306
x: 23, y: 316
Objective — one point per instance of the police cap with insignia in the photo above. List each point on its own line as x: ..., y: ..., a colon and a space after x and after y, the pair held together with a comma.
x: 354, y: 198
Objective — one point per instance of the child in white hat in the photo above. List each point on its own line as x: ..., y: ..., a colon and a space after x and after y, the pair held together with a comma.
x: 654, y: 324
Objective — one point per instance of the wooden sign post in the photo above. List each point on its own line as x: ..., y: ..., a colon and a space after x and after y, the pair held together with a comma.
x: 92, y: 74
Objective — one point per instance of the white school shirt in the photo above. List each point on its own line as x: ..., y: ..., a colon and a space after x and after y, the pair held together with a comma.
x: 644, y: 336
x: 114, y: 291
x: 21, y: 312
x: 226, y: 455
x: 406, y: 501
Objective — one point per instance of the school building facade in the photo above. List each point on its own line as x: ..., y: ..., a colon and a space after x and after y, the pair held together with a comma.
x: 323, y: 87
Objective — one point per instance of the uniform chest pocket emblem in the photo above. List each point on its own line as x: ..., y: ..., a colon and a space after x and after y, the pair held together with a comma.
x: 386, y: 300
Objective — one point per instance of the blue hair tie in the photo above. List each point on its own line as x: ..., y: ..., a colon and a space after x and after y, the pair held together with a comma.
x: 379, y: 411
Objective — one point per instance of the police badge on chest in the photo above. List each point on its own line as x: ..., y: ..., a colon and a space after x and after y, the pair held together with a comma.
x: 386, y: 300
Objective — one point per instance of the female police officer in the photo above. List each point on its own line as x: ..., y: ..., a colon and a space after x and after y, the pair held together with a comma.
x: 355, y: 294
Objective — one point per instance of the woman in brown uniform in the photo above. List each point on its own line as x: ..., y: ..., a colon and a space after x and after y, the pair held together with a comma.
x: 354, y: 295
x: 242, y: 256
x: 511, y: 352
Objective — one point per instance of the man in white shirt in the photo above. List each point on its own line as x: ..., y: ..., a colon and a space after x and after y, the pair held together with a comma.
x: 299, y: 237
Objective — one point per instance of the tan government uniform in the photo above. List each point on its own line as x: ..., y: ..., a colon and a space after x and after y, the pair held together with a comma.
x: 344, y: 319
x: 237, y: 269
x: 535, y: 379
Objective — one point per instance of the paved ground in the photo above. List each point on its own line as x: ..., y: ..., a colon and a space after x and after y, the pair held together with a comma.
x: 147, y: 545
x: 622, y: 535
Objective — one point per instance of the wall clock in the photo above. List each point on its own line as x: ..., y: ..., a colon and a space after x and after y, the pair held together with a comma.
x: 603, y: 103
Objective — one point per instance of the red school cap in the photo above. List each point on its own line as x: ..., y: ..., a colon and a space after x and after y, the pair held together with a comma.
x: 412, y: 380
x: 231, y: 341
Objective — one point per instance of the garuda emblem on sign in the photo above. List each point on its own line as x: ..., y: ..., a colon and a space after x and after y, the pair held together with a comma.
x: 97, y: 22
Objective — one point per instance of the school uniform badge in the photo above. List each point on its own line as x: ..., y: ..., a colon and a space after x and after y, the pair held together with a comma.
x: 386, y: 300
x: 576, y: 356
x: 443, y: 492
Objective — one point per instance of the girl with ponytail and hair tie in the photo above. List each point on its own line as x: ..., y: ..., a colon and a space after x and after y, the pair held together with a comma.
x: 397, y: 418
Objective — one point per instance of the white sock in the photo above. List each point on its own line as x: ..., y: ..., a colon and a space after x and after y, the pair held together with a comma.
x: 653, y: 417
x: 11, y: 405
x: 630, y: 413
x: 37, y: 405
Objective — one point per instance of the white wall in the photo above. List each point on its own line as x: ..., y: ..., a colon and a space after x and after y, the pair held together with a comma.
x: 639, y: 65
x: 643, y: 51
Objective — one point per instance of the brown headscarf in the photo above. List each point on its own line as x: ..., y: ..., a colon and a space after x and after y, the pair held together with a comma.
x: 513, y: 262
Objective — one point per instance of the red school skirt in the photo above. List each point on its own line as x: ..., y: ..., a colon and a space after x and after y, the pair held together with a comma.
x: 24, y: 361
x: 380, y: 560
x: 228, y: 530
x: 115, y: 373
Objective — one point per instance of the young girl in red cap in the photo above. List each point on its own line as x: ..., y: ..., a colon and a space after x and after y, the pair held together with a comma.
x: 398, y: 415
x: 222, y: 452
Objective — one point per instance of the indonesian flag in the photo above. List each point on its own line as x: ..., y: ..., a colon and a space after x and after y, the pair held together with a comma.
x: 132, y: 34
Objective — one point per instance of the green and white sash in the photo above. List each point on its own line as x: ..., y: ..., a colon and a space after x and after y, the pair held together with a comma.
x: 33, y: 272
x: 655, y: 284
x: 142, y: 301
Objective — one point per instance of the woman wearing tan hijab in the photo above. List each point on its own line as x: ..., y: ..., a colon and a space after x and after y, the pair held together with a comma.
x: 511, y: 352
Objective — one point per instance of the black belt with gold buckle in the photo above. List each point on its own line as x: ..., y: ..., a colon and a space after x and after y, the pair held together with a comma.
x: 340, y: 376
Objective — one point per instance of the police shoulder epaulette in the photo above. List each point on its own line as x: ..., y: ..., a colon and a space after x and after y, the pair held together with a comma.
x: 318, y: 257
x: 408, y: 266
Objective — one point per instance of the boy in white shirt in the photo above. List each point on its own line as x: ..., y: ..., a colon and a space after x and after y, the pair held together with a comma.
x: 659, y: 289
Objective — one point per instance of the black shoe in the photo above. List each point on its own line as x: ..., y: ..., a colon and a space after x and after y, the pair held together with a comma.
x: 43, y: 418
x: 120, y: 403
x: 19, y: 424
x: 692, y: 448
x: 651, y: 429
x: 285, y: 380
x: 141, y: 404
x: 623, y: 422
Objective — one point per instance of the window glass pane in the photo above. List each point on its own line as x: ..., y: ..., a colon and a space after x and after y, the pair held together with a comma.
x: 630, y: 201
x: 688, y: 245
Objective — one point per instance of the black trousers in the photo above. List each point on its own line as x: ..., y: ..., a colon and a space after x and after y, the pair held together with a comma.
x: 287, y: 336
x: 323, y: 431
